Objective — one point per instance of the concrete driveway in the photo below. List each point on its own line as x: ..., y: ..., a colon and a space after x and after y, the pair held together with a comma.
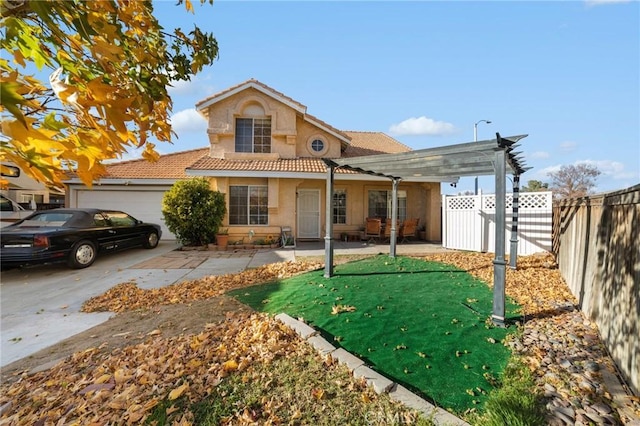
x: 41, y: 304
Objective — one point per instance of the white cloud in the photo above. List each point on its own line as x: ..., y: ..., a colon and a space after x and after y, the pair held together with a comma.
x: 568, y: 146
x: 592, y: 3
x: 539, y: 155
x: 544, y: 173
x: 422, y: 126
x: 198, y: 85
x: 188, y: 121
x: 610, y: 169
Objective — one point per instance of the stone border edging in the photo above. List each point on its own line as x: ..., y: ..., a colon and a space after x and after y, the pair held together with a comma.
x: 359, y: 370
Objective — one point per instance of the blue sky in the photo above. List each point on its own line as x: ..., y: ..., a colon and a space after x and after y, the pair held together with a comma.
x: 567, y: 73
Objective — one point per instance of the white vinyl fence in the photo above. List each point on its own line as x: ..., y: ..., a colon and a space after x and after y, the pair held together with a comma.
x: 468, y: 222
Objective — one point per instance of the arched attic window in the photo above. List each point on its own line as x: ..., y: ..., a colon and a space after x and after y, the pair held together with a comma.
x: 253, y: 129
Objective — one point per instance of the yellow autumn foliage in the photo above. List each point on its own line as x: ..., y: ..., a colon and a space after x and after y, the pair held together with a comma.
x: 106, y: 67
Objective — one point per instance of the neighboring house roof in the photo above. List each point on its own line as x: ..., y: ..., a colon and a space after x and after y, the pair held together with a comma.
x: 169, y: 166
x: 203, y: 105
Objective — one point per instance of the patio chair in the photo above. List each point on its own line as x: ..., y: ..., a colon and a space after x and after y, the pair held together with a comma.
x: 373, y: 229
x: 287, y: 238
x: 408, y: 229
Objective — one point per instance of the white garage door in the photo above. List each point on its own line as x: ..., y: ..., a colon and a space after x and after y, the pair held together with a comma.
x: 143, y: 205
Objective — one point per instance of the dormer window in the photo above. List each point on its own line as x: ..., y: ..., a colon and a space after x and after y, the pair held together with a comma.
x: 253, y: 135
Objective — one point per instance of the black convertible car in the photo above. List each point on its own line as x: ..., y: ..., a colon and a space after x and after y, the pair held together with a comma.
x: 75, y: 236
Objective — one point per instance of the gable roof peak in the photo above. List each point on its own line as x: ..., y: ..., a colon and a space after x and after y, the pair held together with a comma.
x: 204, y: 104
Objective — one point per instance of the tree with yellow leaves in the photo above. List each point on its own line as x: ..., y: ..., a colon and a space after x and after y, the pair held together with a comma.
x: 110, y: 64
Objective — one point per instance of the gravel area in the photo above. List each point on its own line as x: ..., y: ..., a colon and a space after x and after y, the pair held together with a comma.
x: 573, y: 369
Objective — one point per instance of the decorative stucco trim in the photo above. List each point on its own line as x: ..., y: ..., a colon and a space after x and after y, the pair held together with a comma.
x: 204, y: 105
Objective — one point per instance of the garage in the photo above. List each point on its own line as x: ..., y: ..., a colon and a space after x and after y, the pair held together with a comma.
x: 145, y: 205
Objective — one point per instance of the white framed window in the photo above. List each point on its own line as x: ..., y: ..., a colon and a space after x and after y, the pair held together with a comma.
x: 380, y: 203
x: 253, y: 135
x: 248, y: 205
x: 340, y: 207
x: 26, y: 197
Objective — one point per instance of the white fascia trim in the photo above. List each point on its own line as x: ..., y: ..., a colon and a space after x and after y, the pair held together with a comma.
x: 206, y: 104
x: 313, y: 176
x: 326, y: 129
x: 104, y: 182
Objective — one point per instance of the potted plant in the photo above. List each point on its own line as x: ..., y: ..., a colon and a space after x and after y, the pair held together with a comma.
x: 271, y: 241
x: 222, y: 238
x: 422, y: 233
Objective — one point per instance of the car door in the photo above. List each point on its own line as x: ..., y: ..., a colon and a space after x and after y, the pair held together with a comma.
x: 124, y: 228
x: 105, y: 235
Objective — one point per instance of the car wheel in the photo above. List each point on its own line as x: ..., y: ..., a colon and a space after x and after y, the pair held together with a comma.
x: 82, y: 255
x: 152, y: 240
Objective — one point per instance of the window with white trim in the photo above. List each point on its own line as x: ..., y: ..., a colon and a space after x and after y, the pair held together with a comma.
x: 340, y: 206
x: 26, y: 197
x: 380, y: 204
x: 248, y: 205
x: 253, y: 135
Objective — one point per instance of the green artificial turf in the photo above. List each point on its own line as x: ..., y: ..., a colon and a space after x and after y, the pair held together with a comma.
x: 422, y: 324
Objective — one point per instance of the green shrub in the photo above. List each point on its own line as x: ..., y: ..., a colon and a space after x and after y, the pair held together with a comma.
x: 193, y: 211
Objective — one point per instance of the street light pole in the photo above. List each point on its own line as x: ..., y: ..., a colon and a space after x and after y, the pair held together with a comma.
x: 475, y: 139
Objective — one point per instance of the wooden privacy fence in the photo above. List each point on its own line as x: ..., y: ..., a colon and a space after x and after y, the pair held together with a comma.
x: 596, y: 241
x: 468, y: 222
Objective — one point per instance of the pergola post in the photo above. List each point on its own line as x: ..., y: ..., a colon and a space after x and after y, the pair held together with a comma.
x: 394, y: 217
x: 328, y: 238
x: 513, y: 252
x: 499, y: 263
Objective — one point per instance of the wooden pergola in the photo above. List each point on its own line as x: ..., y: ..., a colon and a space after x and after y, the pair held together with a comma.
x: 445, y: 164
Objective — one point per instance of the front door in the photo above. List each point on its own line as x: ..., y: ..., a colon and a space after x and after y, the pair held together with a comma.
x: 309, y: 213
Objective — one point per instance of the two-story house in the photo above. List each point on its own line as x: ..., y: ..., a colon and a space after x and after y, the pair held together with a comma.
x: 266, y: 155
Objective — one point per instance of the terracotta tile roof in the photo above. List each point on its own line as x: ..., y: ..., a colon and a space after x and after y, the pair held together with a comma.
x: 288, y: 165
x: 169, y: 166
x: 362, y: 143
x: 372, y: 143
x: 329, y: 126
x: 173, y: 166
x: 251, y: 80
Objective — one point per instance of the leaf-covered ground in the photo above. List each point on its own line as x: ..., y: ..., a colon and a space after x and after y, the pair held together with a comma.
x: 127, y: 296
x: 127, y: 384
x: 130, y: 384
x: 536, y: 285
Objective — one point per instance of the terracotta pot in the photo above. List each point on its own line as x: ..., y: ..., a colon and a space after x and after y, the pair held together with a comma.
x: 222, y: 240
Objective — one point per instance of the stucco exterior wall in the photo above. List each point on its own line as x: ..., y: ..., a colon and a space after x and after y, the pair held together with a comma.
x: 306, y: 134
x: 292, y: 135
x: 423, y: 201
